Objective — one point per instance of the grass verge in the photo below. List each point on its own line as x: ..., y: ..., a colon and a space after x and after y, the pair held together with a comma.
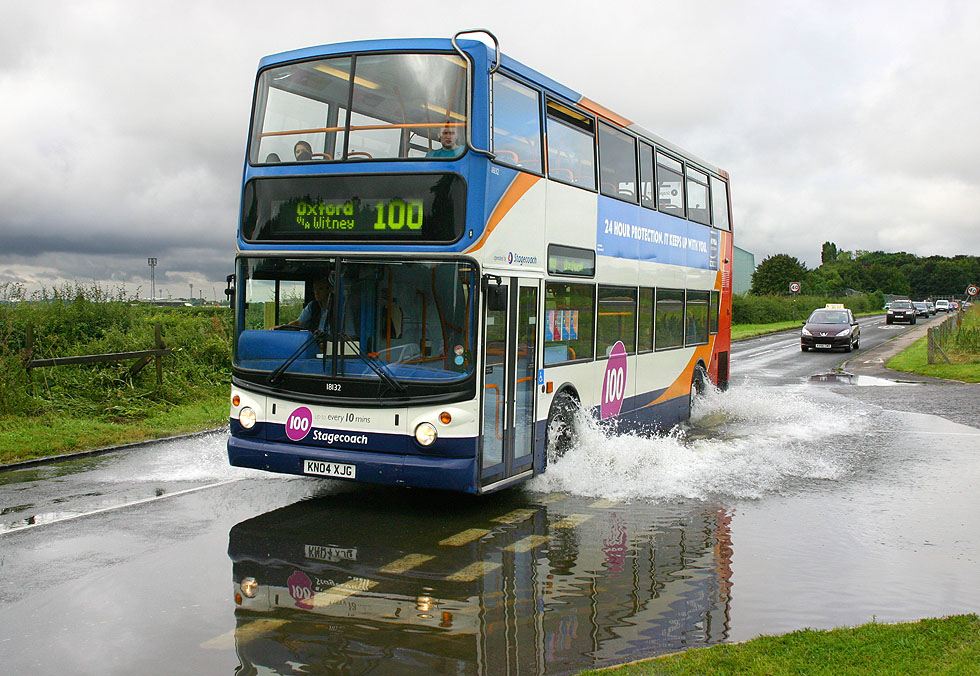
x: 742, y: 331
x: 914, y: 359
x: 935, y: 647
x: 29, y: 437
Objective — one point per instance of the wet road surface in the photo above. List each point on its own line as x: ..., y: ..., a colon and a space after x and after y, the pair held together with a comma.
x: 787, y: 503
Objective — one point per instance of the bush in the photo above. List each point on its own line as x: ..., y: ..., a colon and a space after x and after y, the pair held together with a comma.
x: 751, y: 309
x: 77, y: 320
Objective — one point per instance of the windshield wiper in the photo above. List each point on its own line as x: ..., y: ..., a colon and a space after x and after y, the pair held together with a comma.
x: 276, y: 375
x: 374, y: 364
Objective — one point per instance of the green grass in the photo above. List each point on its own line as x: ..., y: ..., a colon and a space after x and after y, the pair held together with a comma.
x: 742, y: 331
x: 914, y: 359
x: 933, y: 647
x: 27, y: 437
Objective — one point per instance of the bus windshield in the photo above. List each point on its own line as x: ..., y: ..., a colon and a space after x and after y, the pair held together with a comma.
x: 374, y: 106
x: 402, y: 323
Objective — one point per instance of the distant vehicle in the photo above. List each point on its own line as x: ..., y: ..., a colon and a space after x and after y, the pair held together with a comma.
x: 942, y: 305
x: 954, y: 306
x: 901, y: 311
x: 932, y: 307
x: 831, y: 327
x: 921, y: 309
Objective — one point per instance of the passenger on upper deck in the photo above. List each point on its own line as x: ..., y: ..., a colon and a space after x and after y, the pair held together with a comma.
x: 303, y: 151
x: 449, y: 146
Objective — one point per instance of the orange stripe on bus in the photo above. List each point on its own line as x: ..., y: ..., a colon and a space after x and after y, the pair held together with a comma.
x: 602, y: 111
x: 681, y: 387
x: 522, y: 183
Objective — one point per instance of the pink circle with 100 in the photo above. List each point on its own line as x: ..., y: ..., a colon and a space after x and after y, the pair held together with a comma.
x: 614, y: 382
x: 299, y: 423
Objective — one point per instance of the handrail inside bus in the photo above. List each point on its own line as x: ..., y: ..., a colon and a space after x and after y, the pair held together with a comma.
x: 362, y: 127
x: 470, y: 65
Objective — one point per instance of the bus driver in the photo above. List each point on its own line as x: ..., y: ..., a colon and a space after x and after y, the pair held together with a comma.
x: 316, y: 314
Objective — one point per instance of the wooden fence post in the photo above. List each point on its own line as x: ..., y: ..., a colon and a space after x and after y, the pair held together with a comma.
x: 157, y: 334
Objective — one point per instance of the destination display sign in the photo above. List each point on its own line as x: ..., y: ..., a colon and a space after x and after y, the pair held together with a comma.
x: 422, y: 208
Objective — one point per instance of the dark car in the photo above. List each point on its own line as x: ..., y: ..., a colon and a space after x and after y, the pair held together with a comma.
x: 901, y: 311
x: 921, y: 309
x: 831, y: 327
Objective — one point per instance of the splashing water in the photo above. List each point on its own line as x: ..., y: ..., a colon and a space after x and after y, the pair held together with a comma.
x: 744, y: 443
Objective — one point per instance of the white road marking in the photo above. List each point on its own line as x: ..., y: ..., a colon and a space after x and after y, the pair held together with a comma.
x: 19, y: 529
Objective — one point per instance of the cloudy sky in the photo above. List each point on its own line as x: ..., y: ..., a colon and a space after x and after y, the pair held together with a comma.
x: 123, y: 124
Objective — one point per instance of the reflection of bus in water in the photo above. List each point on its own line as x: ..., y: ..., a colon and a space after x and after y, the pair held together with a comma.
x: 458, y: 251
x: 346, y: 583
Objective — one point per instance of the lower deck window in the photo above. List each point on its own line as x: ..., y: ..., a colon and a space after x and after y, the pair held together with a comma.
x: 568, y: 317
x: 670, y: 319
x: 617, y: 319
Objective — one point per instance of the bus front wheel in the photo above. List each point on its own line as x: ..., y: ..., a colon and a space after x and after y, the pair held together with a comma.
x: 561, y: 426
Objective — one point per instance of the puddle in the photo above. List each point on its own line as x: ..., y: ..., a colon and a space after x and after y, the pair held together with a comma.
x: 851, y: 379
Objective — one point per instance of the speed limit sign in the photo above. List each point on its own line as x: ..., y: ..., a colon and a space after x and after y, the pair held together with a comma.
x: 972, y: 290
x: 794, y: 287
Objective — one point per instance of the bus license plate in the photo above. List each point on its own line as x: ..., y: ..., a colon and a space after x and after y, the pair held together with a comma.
x: 331, y: 469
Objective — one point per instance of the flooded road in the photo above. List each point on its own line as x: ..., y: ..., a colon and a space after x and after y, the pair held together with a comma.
x: 785, y: 504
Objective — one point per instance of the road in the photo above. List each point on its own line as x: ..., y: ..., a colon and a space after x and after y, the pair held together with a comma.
x: 803, y: 496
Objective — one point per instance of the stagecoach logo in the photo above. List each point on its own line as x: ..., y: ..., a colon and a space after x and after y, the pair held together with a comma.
x: 518, y: 259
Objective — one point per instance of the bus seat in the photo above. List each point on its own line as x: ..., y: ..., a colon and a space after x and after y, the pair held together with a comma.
x: 554, y: 354
x: 508, y: 156
x: 564, y: 174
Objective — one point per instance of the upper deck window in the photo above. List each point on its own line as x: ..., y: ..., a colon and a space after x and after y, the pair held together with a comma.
x: 376, y: 106
x: 719, y: 203
x: 617, y: 164
x: 571, y: 146
x: 670, y: 185
x: 516, y: 124
x: 697, y: 196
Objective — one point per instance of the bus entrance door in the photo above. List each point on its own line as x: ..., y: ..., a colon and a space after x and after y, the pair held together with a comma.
x: 509, y: 368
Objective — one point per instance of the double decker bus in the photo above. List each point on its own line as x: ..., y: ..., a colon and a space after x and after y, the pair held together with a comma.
x: 443, y: 253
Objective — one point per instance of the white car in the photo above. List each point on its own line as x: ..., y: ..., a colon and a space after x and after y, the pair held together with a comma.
x: 942, y: 306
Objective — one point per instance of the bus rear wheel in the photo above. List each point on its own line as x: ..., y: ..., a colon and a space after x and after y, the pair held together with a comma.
x: 561, y: 426
x: 699, y: 384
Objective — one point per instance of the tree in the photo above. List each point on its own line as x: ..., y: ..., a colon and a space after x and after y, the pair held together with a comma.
x: 774, y: 274
x: 829, y: 253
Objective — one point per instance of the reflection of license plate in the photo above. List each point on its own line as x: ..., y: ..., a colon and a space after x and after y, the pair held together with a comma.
x: 333, y: 469
x: 823, y: 346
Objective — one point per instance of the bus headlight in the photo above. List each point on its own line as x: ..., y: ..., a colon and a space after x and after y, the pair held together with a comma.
x: 426, y: 434
x: 249, y: 586
x: 247, y: 418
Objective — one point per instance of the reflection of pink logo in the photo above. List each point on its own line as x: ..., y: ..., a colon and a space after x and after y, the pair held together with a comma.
x: 301, y: 589
x: 614, y: 382
x: 299, y: 423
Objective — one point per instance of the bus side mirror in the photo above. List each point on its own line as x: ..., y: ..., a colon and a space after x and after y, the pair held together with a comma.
x: 497, y: 298
x: 230, y: 290
x: 496, y: 294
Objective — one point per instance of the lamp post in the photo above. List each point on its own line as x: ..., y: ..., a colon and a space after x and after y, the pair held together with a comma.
x: 152, y: 262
